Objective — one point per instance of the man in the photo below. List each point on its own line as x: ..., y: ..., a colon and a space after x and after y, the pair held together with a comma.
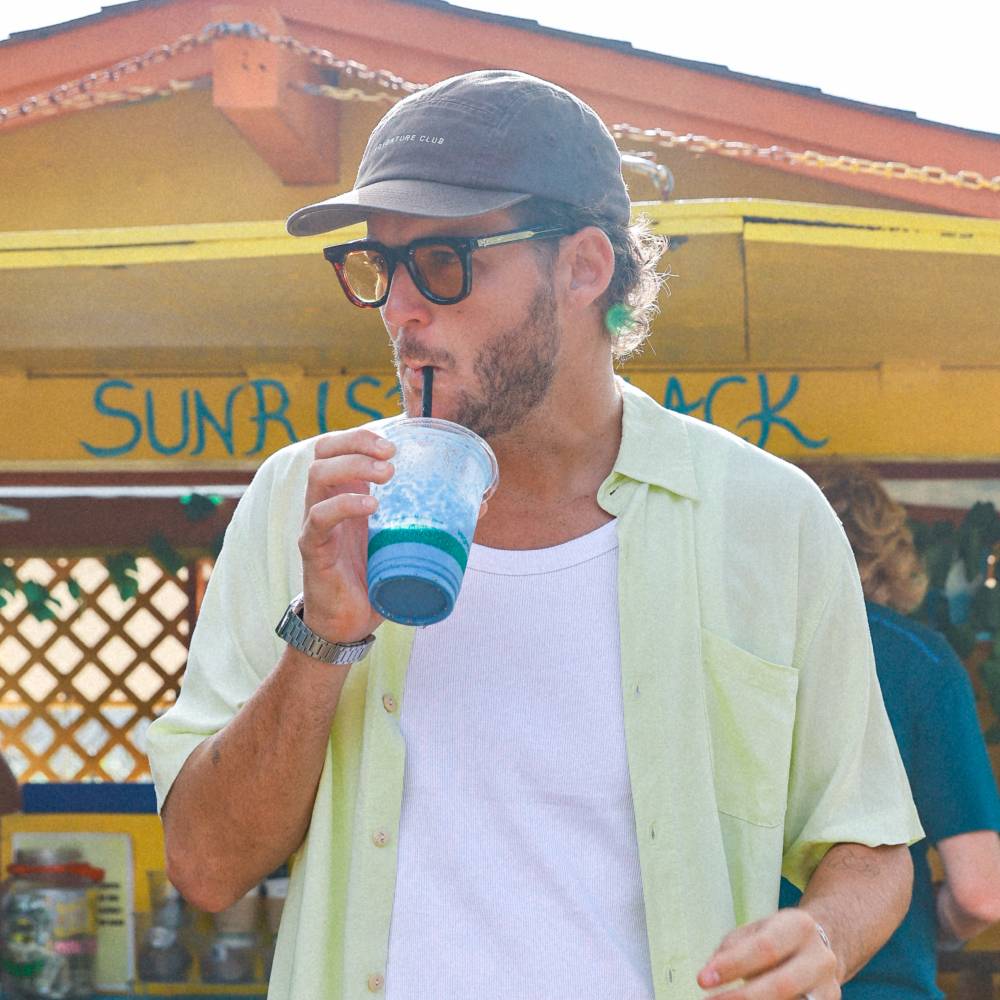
x: 655, y: 692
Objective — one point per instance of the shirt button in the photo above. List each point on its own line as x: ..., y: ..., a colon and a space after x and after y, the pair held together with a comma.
x: 380, y: 838
x: 389, y: 703
x: 375, y: 982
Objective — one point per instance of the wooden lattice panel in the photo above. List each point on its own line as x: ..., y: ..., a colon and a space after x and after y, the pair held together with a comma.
x: 79, y: 692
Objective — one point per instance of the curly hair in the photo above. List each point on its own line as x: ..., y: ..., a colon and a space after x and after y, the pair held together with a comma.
x: 630, y: 301
x: 890, y: 568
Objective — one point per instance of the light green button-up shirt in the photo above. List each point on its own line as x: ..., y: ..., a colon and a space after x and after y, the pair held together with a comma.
x: 754, y: 724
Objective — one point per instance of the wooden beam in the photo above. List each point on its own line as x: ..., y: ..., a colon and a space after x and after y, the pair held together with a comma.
x: 64, y: 526
x: 294, y: 133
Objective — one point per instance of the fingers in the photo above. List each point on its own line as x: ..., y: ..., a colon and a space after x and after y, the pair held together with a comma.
x: 327, y: 476
x: 792, y: 979
x: 347, y: 462
x: 357, y: 441
x: 323, y: 516
x: 333, y: 540
x: 778, y: 958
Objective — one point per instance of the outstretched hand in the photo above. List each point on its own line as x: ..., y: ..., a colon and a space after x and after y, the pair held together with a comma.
x: 782, y: 957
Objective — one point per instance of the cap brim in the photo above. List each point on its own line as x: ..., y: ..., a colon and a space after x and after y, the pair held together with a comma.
x: 401, y: 197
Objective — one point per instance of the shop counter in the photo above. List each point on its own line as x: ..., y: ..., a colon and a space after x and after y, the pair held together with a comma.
x: 142, y: 922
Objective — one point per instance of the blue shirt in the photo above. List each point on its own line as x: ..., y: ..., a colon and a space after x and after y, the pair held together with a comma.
x: 932, y: 710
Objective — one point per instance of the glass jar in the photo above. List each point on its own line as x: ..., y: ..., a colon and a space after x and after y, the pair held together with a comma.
x: 163, y: 955
x: 230, y: 958
x: 48, y: 926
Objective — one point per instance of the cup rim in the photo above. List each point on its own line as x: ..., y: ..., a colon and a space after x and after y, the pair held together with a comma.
x: 449, y: 426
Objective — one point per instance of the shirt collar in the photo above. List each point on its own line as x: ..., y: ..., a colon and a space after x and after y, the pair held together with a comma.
x: 655, y: 448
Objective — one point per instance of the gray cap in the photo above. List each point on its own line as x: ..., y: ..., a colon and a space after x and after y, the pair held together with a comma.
x: 475, y: 143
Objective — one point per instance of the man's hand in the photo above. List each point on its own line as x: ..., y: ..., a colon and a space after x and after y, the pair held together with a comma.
x: 782, y: 957
x: 858, y: 894
x: 334, y: 539
x: 968, y: 901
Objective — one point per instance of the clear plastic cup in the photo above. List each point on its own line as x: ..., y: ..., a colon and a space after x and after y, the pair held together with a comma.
x: 419, y: 538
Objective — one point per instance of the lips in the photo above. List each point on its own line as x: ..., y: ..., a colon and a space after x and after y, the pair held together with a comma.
x: 414, y: 374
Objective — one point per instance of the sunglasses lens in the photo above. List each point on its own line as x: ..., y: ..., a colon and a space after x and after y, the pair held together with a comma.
x: 440, y: 269
x: 366, y: 273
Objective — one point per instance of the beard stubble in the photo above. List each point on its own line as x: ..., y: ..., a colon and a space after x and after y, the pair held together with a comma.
x: 515, y: 370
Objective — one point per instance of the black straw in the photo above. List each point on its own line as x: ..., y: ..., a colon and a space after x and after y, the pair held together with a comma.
x: 428, y: 390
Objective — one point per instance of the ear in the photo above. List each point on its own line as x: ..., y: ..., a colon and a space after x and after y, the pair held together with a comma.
x: 589, y: 262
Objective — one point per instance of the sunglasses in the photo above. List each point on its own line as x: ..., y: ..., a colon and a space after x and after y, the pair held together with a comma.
x: 440, y: 266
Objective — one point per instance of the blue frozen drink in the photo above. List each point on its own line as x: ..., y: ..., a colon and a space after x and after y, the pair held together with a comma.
x: 419, y: 538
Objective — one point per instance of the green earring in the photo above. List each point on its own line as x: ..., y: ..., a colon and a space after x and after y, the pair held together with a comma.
x: 618, y: 319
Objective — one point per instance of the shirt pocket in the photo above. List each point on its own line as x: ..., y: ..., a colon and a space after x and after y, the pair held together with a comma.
x: 751, y: 714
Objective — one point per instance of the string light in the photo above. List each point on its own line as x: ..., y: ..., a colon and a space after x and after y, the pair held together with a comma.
x: 79, y: 94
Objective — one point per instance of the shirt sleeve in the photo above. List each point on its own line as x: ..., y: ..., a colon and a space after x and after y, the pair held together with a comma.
x: 233, y: 646
x: 846, y: 782
x: 953, y: 782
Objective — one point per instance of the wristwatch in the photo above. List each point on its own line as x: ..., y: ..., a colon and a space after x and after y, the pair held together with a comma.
x: 300, y: 636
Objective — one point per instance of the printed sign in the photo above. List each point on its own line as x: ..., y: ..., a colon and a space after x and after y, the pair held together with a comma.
x: 143, y: 422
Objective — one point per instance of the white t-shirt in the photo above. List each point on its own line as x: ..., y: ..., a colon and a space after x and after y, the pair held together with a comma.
x: 518, y: 874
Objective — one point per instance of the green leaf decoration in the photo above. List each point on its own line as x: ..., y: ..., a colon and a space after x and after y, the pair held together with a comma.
x: 980, y: 515
x: 38, y: 593
x: 41, y: 602
x: 75, y: 590
x: 9, y: 584
x: 200, y: 506
x: 124, y: 572
x: 166, y: 555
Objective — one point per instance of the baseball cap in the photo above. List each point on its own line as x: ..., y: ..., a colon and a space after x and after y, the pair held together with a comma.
x: 475, y: 143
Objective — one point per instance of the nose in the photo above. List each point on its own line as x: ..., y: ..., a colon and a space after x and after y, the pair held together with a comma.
x: 405, y: 306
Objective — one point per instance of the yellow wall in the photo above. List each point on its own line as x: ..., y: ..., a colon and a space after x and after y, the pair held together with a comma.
x: 871, y: 331
x: 129, y: 421
x: 178, y: 160
x: 164, y: 161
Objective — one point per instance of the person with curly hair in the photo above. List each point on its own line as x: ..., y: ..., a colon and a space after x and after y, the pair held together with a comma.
x: 585, y: 781
x: 932, y: 709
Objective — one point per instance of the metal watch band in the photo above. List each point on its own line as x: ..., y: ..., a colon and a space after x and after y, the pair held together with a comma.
x: 300, y: 636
